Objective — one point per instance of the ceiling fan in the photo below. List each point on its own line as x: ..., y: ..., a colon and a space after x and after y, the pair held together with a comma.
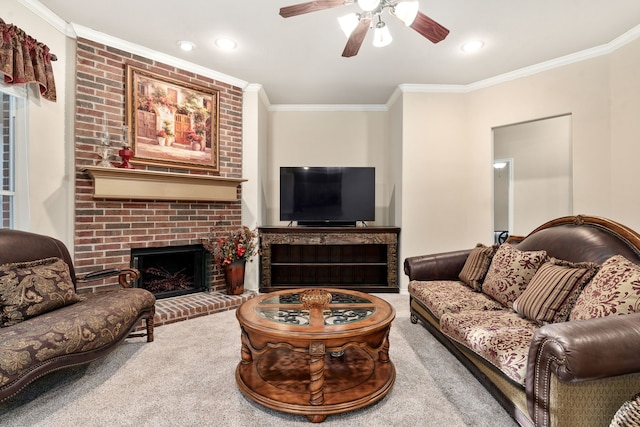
x: 356, y: 25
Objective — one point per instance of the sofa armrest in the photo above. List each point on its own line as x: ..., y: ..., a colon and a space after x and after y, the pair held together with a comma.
x: 442, y: 266
x: 578, y: 351
x: 124, y: 276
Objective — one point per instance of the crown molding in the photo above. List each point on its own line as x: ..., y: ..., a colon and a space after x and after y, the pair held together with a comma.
x: 624, y: 39
x: 253, y: 87
x: 429, y: 88
x: 562, y: 61
x: 328, y: 107
x: 256, y: 87
x: 584, y: 55
x: 51, y: 18
x: 126, y: 46
x: 74, y: 31
x: 395, y: 96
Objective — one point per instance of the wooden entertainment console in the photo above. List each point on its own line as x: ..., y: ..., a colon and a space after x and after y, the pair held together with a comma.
x: 358, y: 258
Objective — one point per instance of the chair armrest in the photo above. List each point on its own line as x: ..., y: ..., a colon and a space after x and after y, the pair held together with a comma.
x: 124, y: 275
x: 581, y: 350
x: 442, y: 266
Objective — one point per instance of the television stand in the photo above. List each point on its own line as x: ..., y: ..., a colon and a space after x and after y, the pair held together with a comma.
x: 357, y: 258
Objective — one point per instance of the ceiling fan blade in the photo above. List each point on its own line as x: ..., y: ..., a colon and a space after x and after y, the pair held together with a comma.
x: 312, y: 6
x: 429, y: 28
x: 357, y: 37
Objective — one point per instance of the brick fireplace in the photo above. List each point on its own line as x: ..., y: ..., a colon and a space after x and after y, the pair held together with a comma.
x: 107, y: 230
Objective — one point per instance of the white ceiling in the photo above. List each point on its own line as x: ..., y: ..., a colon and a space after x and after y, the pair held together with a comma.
x: 298, y: 60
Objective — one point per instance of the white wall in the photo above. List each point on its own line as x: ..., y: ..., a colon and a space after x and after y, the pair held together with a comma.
x: 394, y: 177
x: 540, y: 168
x: 50, y: 135
x: 625, y: 135
x: 327, y: 138
x: 253, y: 137
x: 440, y: 175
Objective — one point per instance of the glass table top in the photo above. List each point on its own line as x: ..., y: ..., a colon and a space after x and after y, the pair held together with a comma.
x: 294, y: 298
x: 295, y: 308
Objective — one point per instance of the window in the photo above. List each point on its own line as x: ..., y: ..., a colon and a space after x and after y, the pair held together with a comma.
x: 13, y: 193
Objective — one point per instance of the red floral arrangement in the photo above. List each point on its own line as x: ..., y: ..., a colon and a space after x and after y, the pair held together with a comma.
x: 193, y: 137
x: 145, y: 103
x: 161, y: 133
x: 241, y: 244
x: 165, y: 102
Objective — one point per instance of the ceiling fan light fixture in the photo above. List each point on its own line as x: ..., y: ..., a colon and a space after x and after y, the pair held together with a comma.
x: 348, y: 23
x: 368, y: 5
x: 406, y: 11
x: 381, y: 35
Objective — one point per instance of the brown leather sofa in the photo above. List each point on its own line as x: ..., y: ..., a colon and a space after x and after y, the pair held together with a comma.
x: 86, y: 327
x: 578, y: 373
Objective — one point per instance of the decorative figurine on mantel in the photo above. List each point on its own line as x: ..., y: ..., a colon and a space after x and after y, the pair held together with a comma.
x: 106, y: 144
x: 126, y: 153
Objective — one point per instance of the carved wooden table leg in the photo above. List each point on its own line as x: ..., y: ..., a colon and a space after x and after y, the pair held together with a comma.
x: 245, y: 352
x: 316, y: 369
x: 383, y: 354
x: 316, y: 418
x: 316, y: 383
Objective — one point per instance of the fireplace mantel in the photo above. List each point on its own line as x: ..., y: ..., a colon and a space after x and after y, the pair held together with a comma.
x: 116, y: 183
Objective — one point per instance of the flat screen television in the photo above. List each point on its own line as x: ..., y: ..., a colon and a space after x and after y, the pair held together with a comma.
x: 327, y: 196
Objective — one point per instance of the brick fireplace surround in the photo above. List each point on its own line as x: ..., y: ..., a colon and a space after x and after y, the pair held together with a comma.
x: 106, y: 230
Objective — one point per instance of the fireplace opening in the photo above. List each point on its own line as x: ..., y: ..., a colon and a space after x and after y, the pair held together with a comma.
x: 172, y: 270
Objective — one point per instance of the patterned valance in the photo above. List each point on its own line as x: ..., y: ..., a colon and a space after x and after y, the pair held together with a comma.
x: 24, y: 60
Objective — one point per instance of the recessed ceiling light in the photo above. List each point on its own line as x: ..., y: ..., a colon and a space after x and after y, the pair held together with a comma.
x: 226, y: 44
x: 472, y: 46
x: 185, y: 45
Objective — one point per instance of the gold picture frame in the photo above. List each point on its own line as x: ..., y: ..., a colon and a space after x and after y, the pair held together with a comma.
x: 172, y: 123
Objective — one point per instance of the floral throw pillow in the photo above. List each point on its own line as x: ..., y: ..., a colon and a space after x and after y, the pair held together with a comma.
x: 29, y: 289
x: 510, y: 272
x: 552, y: 287
x: 615, y: 289
x: 476, y: 266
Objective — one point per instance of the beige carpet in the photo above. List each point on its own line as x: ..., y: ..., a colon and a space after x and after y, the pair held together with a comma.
x: 186, y: 378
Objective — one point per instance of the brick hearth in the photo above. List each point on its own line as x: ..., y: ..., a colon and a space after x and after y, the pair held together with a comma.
x: 184, y: 307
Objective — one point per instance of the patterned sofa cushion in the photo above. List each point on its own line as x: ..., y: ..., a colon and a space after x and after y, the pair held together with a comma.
x: 98, y: 322
x: 476, y: 266
x: 447, y: 296
x: 502, y: 338
x: 28, y: 289
x: 615, y: 289
x: 510, y: 272
x: 556, y: 284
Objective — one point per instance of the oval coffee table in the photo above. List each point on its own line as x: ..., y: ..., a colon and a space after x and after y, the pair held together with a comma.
x: 315, y: 352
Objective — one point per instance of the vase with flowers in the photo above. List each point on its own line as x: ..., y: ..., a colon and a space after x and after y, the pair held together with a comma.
x: 194, y: 139
x: 161, y: 135
x: 167, y: 128
x: 231, y: 252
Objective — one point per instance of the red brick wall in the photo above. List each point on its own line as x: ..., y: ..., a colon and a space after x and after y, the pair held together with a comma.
x: 106, y: 230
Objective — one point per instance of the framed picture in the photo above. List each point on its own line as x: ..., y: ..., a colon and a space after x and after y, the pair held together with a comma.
x: 171, y: 123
